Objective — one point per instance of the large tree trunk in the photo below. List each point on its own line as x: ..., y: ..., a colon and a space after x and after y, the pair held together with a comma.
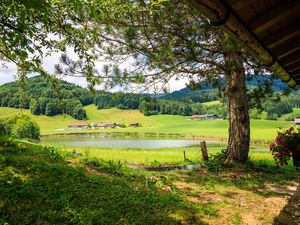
x: 238, y: 115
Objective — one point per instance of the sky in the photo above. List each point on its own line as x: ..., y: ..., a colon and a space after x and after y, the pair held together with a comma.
x: 8, y: 73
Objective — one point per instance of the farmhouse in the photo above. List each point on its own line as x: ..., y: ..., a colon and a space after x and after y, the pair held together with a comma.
x: 135, y: 125
x: 102, y: 125
x: 78, y: 125
x: 297, y: 121
x: 204, y: 117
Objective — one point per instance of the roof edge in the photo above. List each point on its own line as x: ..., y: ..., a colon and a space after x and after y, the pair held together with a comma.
x: 221, y: 15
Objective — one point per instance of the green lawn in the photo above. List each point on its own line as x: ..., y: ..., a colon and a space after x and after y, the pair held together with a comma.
x: 49, y: 186
x: 145, y: 156
x: 211, y: 103
x: 161, y: 156
x: 168, y: 124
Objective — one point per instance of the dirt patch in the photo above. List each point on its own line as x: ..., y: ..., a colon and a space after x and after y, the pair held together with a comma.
x: 290, y: 214
x: 249, y: 219
x: 92, y: 170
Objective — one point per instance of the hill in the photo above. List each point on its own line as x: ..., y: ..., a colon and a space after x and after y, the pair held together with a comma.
x: 208, y: 92
x: 43, y: 97
x: 156, y: 124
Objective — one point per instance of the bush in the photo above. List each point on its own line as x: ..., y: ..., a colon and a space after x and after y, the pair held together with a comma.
x: 216, y: 161
x: 284, y: 144
x: 79, y: 113
x: 26, y: 128
x: 271, y: 117
x: 20, y: 126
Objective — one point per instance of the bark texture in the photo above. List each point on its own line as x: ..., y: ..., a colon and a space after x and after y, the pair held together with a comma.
x: 238, y: 115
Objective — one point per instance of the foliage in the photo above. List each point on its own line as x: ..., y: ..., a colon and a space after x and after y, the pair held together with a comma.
x: 284, y: 144
x: 54, y: 153
x: 79, y: 194
x: 26, y: 128
x: 20, y: 126
x: 216, y: 161
x: 42, y: 98
x: 76, y: 196
x: 110, y: 166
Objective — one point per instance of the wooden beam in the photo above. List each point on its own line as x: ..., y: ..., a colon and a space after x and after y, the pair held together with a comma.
x: 295, y: 72
x: 293, y: 67
x: 283, y: 34
x: 221, y: 14
x: 297, y: 79
x: 238, y: 4
x: 290, y: 59
x: 274, y: 14
x: 287, y: 48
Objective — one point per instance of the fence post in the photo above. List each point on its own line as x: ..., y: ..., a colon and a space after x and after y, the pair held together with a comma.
x: 204, y: 151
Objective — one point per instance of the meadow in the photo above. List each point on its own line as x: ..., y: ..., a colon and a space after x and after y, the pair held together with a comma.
x: 158, y: 156
x: 47, y: 185
x: 156, y: 124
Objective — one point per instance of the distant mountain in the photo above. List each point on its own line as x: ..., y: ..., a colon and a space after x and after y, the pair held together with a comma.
x: 209, y: 93
x: 188, y: 95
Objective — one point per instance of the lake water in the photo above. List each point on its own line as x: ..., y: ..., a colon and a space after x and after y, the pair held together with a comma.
x: 118, y: 140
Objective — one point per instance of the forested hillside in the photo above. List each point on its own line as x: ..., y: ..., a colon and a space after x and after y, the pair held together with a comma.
x: 42, y: 98
x: 208, y: 92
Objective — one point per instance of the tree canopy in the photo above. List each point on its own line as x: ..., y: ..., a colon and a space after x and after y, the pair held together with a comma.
x: 161, y: 40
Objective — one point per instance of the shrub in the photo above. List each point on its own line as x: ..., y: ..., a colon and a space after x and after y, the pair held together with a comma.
x: 216, y: 161
x: 284, y: 144
x: 79, y: 113
x: 26, y: 128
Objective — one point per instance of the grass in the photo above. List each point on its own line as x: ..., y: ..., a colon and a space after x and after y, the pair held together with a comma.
x: 217, y: 102
x: 144, y: 156
x: 35, y: 189
x: 260, y: 129
x: 296, y: 112
x: 45, y: 185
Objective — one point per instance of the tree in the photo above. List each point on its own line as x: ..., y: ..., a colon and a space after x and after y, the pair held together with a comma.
x: 25, y: 27
x: 26, y: 128
x: 163, y: 39
x: 34, y: 107
x: 53, y: 108
x: 171, y: 40
x: 79, y: 113
x: 20, y: 126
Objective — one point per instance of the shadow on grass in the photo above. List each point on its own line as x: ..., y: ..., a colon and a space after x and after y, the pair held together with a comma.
x: 290, y: 214
x: 259, y: 176
x: 39, y: 187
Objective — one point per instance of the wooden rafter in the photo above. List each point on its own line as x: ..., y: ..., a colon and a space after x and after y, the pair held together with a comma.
x: 287, y: 48
x: 273, y: 15
x: 283, y: 35
x: 288, y: 60
x: 222, y: 14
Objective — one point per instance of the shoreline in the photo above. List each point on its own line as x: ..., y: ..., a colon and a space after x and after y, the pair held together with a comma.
x: 254, y: 142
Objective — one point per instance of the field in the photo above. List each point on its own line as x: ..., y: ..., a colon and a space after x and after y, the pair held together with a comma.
x: 211, y: 103
x: 47, y: 186
x: 157, y: 156
x: 167, y: 124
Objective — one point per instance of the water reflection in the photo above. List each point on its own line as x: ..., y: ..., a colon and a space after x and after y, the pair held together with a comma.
x: 119, y: 140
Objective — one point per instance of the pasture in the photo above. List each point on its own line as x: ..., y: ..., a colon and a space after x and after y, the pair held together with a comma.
x: 157, y: 124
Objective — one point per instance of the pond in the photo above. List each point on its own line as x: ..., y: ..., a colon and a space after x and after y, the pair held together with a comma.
x: 118, y: 140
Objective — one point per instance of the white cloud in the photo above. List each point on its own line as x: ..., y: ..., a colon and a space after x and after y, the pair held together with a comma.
x: 8, y: 73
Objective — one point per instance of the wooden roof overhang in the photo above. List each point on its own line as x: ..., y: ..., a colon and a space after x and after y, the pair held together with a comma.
x: 269, y: 28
